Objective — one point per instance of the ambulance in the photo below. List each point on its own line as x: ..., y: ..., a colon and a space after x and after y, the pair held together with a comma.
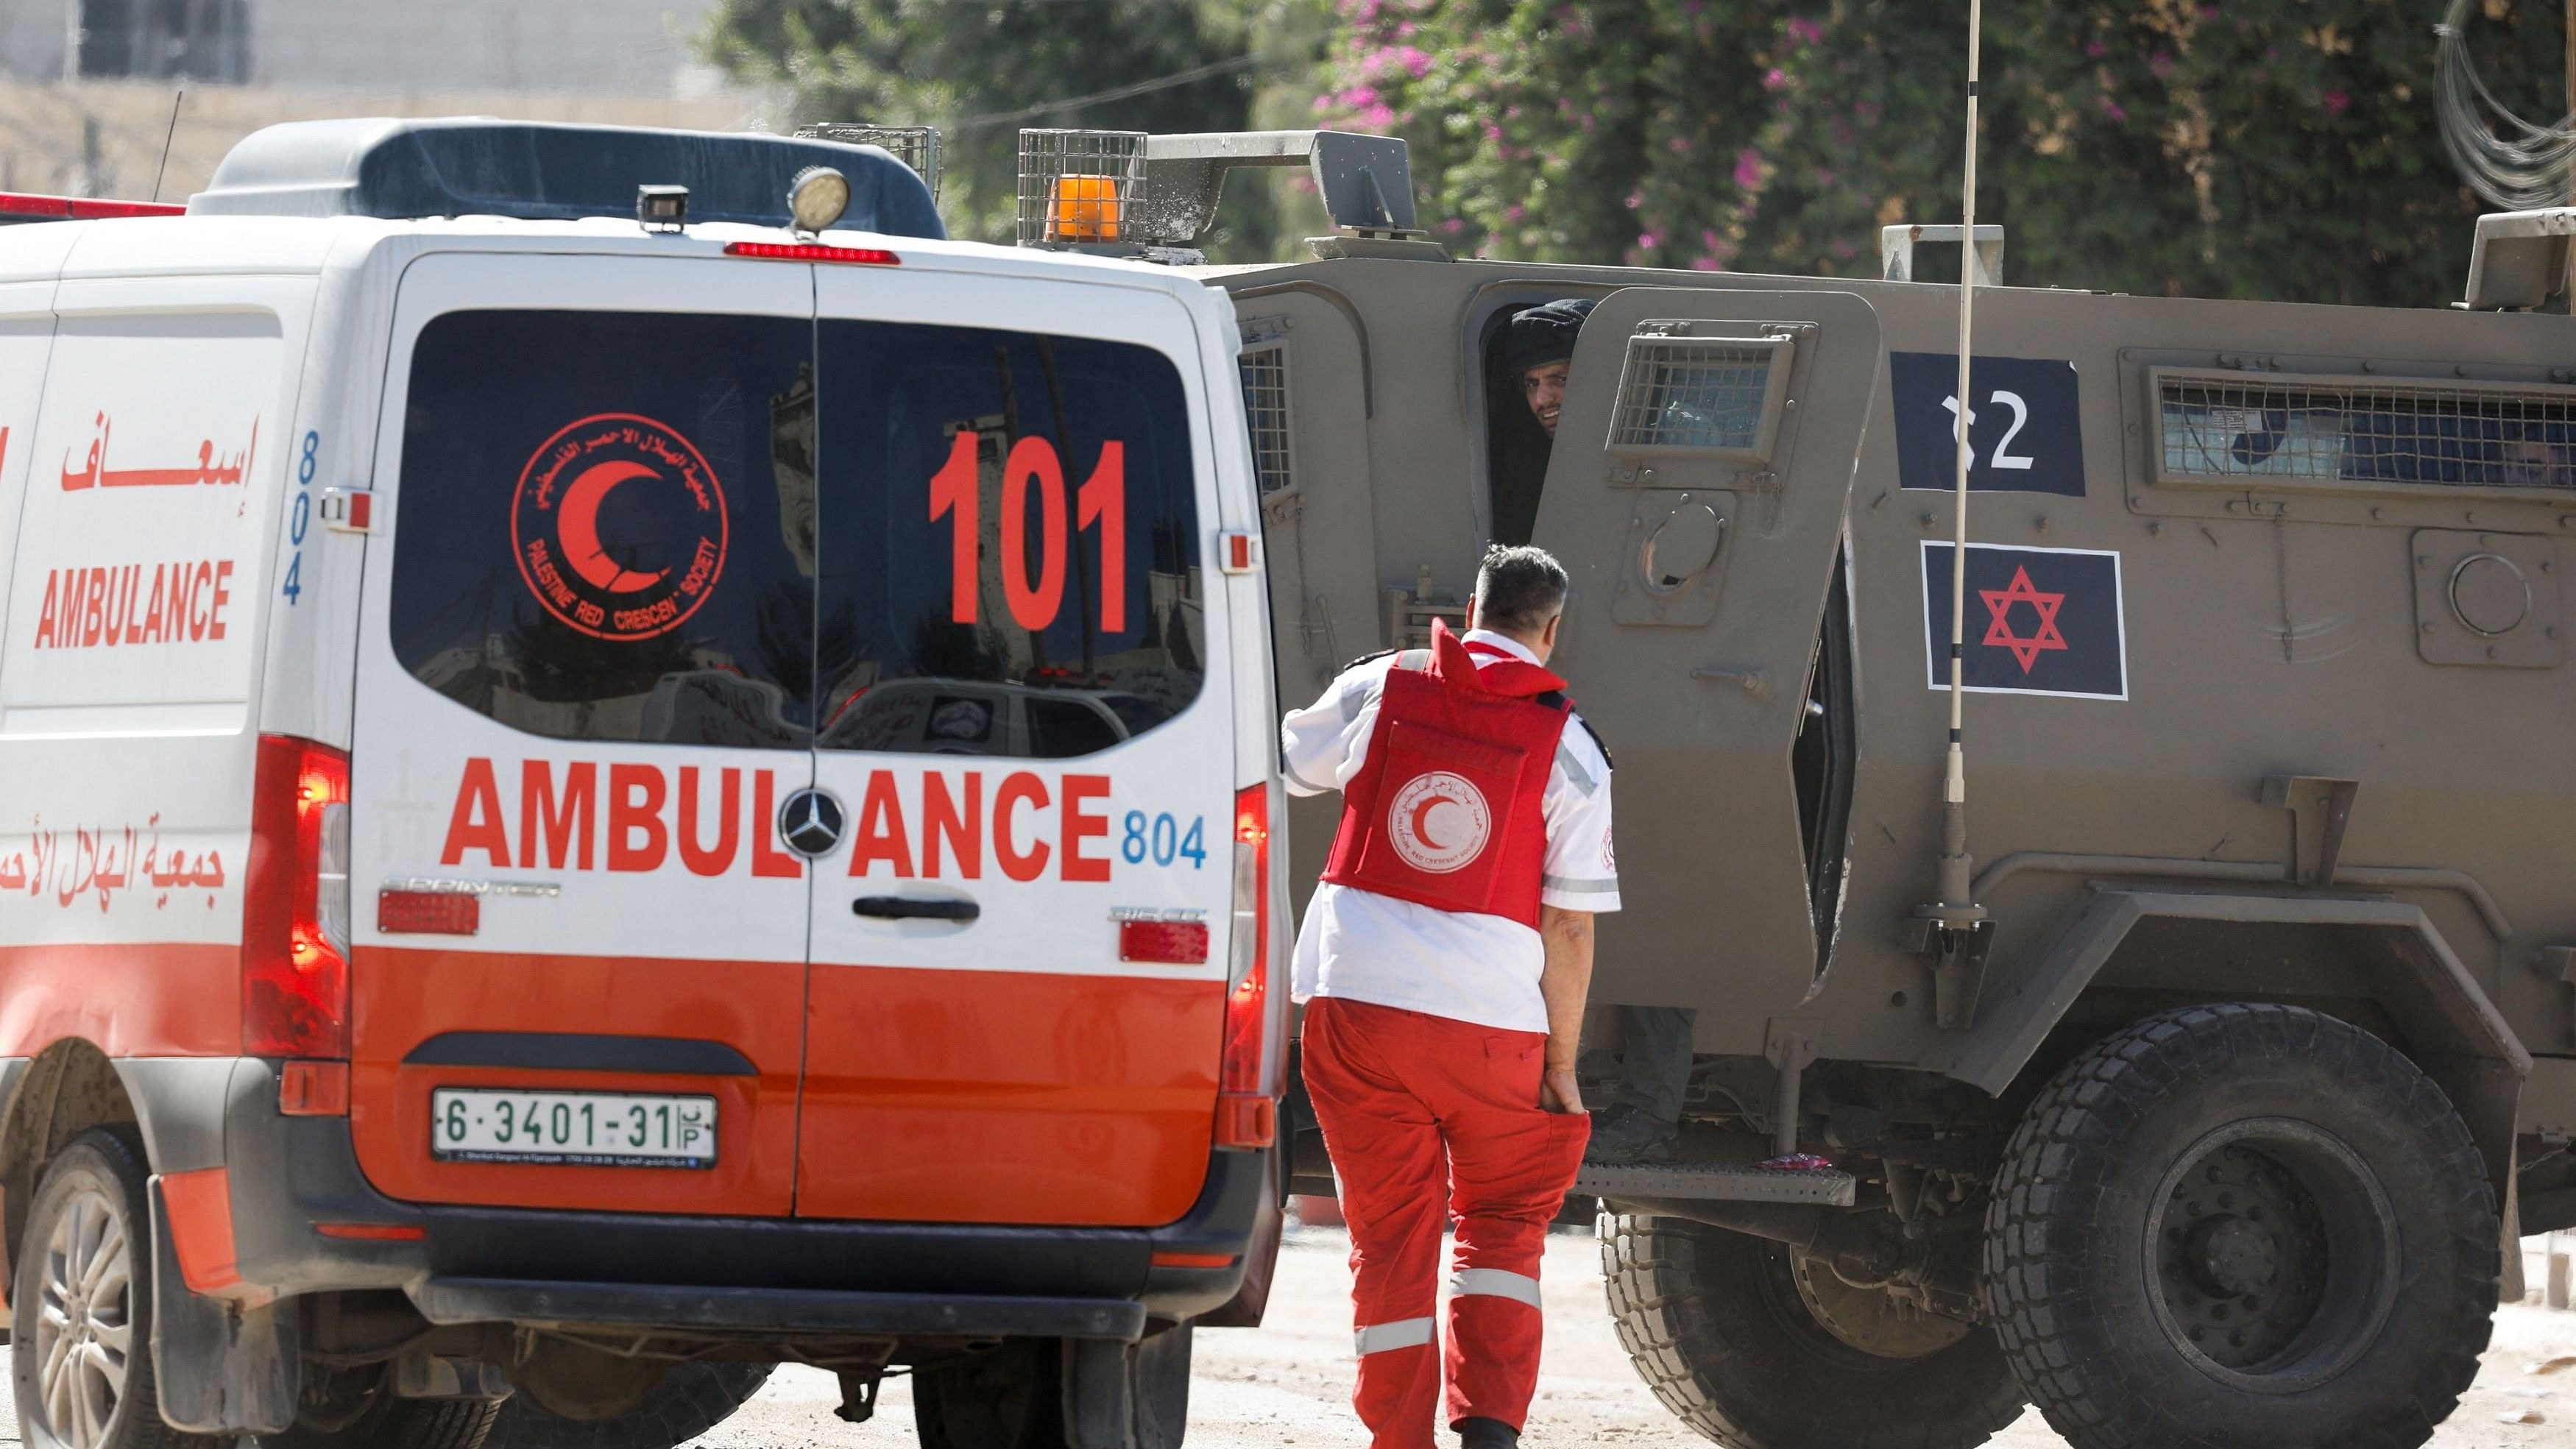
x: 617, y: 761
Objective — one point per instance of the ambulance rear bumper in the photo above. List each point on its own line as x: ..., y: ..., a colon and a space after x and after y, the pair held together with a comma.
x: 306, y: 1220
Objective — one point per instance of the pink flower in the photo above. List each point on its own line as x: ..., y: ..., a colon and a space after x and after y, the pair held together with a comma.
x: 1493, y: 132
x: 2159, y: 65
x: 1748, y: 169
x: 1636, y: 199
x: 1415, y: 62
x: 1805, y: 31
x: 1359, y: 97
x: 1377, y: 118
x: 2337, y: 103
x: 2096, y: 49
x: 2111, y: 108
x: 1707, y: 264
x: 1515, y: 212
x: 1778, y: 79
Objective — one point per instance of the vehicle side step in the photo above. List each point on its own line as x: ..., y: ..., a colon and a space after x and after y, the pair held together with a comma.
x: 1716, y: 1181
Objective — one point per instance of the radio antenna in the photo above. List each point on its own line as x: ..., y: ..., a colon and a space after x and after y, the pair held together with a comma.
x: 167, y: 137
x: 1952, y: 933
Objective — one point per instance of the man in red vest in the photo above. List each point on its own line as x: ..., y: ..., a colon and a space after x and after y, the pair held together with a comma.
x: 1443, y: 964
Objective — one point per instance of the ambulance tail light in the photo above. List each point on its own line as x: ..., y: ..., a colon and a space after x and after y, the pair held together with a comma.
x: 1247, y: 1115
x: 295, y: 926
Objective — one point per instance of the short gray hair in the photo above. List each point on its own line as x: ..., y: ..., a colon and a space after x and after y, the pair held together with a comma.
x: 1519, y: 588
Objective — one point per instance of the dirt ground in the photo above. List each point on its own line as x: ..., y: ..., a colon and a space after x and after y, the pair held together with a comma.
x: 1288, y: 1382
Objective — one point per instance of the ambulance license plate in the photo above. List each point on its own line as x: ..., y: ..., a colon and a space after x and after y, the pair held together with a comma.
x: 573, y: 1129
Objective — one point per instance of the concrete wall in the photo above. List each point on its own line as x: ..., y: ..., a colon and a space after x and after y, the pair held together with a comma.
x: 103, y: 138
x: 570, y: 47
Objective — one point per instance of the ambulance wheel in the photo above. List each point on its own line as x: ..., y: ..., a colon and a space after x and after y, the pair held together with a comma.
x: 81, y: 1307
x: 691, y: 1399
x: 354, y: 1408
x: 1007, y: 1397
x: 1754, y: 1353
x: 2307, y: 1216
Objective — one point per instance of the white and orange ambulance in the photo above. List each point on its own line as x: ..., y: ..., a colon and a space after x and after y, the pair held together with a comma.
x: 585, y: 796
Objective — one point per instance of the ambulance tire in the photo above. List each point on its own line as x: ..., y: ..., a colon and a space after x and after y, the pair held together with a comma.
x: 2312, y: 1221
x: 1716, y: 1325
x: 691, y: 1399
x: 1007, y: 1397
x: 90, y: 1220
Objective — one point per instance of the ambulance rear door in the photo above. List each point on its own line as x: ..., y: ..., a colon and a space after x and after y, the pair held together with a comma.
x: 1697, y: 494
x: 1026, y: 749
x: 584, y: 697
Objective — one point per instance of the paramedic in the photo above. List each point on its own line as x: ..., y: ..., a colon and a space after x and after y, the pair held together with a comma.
x: 1443, y: 964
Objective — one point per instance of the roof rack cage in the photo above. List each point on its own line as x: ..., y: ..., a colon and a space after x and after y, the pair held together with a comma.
x: 914, y: 146
x: 1129, y: 190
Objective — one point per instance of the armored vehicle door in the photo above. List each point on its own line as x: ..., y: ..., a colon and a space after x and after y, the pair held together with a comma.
x: 1697, y: 493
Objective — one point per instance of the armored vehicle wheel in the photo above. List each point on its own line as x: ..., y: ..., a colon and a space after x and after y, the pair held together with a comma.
x: 2307, y: 1215
x: 81, y: 1307
x: 691, y: 1399
x: 1759, y: 1351
x: 352, y: 1408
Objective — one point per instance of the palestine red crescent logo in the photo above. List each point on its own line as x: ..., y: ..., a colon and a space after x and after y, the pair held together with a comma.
x: 1438, y: 822
x: 646, y: 572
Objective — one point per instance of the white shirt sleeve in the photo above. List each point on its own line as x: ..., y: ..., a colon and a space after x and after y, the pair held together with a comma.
x: 1582, y: 872
x: 1322, y: 745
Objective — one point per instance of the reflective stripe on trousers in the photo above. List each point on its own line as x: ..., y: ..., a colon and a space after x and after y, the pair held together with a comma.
x: 1429, y: 1119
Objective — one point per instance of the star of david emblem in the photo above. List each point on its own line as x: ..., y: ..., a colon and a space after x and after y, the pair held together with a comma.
x: 1999, y: 631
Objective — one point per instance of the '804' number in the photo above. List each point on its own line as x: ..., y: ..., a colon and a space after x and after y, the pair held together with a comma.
x: 1163, y: 838
x: 299, y: 518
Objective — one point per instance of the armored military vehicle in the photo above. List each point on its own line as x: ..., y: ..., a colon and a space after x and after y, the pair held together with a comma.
x: 2210, y: 1130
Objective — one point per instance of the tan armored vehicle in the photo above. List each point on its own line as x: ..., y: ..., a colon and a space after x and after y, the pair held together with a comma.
x: 2210, y: 1132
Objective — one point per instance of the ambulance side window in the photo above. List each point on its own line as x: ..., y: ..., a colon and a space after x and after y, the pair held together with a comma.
x: 1015, y: 515
x: 605, y: 526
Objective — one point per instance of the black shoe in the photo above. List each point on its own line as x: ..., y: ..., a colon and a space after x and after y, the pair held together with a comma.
x: 1626, y: 1136
x: 1487, y: 1434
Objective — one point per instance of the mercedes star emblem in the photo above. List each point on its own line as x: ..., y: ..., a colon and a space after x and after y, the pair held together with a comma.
x: 810, y: 822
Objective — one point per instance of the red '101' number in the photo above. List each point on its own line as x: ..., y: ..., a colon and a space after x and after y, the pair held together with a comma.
x: 1034, y: 603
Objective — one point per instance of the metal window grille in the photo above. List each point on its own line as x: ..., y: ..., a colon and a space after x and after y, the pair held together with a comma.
x: 914, y: 146
x: 1713, y: 396
x: 2231, y: 428
x: 1265, y: 408
x: 1080, y: 186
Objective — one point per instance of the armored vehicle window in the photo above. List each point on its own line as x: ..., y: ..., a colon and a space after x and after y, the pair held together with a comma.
x: 1264, y: 363
x: 589, y: 541
x: 1715, y: 397
x: 2228, y: 428
x: 1014, y: 517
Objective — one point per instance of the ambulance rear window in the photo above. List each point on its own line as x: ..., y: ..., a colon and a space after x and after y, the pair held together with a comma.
x: 758, y: 531
x: 1008, y: 508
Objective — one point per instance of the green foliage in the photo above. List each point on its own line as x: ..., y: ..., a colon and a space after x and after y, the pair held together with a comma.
x: 981, y: 69
x: 2260, y: 148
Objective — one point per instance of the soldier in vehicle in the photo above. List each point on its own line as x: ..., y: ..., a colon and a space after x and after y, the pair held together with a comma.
x: 1644, y: 1123
x: 1443, y: 964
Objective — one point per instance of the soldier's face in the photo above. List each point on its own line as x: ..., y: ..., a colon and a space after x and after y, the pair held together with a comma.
x: 1545, y: 389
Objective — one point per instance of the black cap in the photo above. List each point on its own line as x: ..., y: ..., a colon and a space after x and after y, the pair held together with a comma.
x: 1543, y: 334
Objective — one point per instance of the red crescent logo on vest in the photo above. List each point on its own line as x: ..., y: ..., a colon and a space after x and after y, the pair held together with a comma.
x: 1438, y: 822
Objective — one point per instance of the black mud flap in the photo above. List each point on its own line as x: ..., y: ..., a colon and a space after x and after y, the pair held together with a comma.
x: 1127, y: 1395
x: 220, y: 1368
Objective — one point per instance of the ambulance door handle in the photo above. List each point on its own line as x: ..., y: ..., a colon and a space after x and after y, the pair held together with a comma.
x: 914, y: 908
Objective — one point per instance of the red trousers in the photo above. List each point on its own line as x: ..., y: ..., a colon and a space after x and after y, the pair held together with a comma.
x: 1396, y: 1093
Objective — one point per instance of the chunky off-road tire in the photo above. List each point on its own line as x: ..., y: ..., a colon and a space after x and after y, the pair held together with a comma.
x: 1715, y: 1322
x: 1009, y: 1397
x: 691, y: 1399
x: 81, y: 1307
x: 2242, y: 1225
x: 352, y: 1409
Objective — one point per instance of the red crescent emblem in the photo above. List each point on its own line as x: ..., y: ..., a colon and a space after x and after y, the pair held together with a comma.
x: 1422, y: 819
x: 577, y: 524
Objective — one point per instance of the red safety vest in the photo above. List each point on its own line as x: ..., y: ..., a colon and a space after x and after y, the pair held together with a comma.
x: 1448, y: 810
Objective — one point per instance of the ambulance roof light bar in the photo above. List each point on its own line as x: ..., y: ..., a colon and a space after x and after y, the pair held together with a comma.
x: 18, y: 206
x: 477, y: 166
